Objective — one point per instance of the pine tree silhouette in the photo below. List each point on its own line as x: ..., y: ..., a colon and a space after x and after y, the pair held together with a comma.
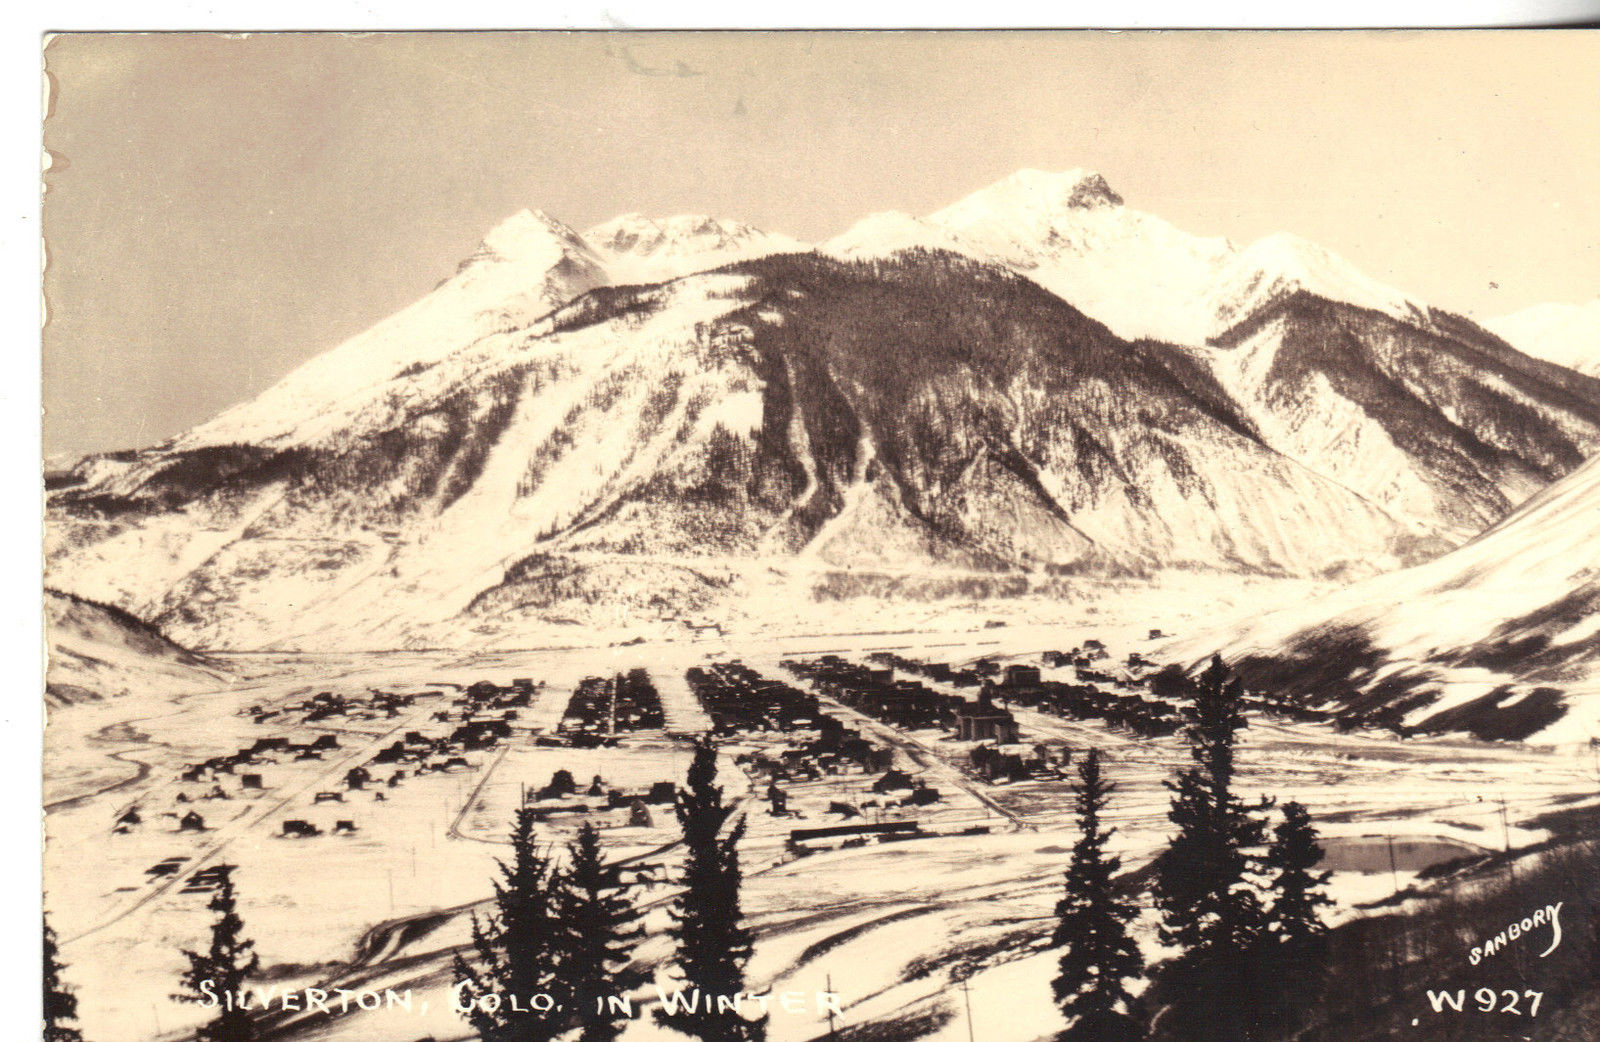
x: 221, y: 971
x: 1204, y: 888
x: 517, y: 950
x: 1092, y: 927
x: 599, y: 928
x: 712, y: 944
x: 1294, y: 949
x: 60, y: 1004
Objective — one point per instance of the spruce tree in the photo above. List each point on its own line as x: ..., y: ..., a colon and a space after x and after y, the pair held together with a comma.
x: 599, y: 928
x: 1294, y: 948
x: 1092, y: 927
x: 220, y: 972
x: 1204, y: 886
x: 60, y: 1004
x: 517, y: 950
x: 712, y: 944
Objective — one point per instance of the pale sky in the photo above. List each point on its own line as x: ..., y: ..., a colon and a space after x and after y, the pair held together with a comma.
x: 220, y: 209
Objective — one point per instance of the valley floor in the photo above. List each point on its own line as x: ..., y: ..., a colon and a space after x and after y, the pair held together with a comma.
x: 893, y: 929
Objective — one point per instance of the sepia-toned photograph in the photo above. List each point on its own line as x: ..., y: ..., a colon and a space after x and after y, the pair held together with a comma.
x: 996, y: 536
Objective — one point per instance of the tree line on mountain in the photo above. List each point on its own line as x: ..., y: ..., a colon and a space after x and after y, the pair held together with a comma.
x: 946, y: 360
x: 438, y: 459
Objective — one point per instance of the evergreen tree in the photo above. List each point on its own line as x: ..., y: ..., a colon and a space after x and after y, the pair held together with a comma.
x: 1203, y: 886
x: 1294, y: 950
x: 221, y: 971
x: 517, y: 948
x: 599, y: 928
x: 712, y: 944
x: 1092, y: 927
x: 60, y: 1004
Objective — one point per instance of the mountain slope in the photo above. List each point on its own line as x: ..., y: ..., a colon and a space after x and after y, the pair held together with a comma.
x: 525, y: 268
x: 927, y: 411
x: 412, y: 507
x: 1500, y: 638
x: 1566, y: 334
x: 97, y: 651
x: 1333, y: 369
x: 1440, y: 425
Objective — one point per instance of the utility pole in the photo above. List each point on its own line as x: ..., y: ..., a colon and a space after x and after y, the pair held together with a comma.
x: 828, y: 979
x: 1505, y: 830
x: 967, y: 994
x: 1393, y: 874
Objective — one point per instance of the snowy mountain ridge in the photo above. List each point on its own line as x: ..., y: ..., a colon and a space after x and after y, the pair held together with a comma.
x: 1143, y: 277
x: 525, y: 268
x: 1566, y: 334
x: 1070, y: 232
x: 640, y: 249
x: 98, y: 652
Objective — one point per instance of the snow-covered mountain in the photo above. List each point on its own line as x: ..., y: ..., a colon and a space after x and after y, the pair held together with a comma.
x: 630, y: 423
x: 525, y: 268
x: 1566, y: 334
x: 1438, y: 424
x: 1500, y: 637
x: 638, y: 249
x: 1342, y: 374
x: 1072, y: 234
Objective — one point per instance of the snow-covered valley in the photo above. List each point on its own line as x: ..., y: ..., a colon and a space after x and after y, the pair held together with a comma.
x: 886, y: 924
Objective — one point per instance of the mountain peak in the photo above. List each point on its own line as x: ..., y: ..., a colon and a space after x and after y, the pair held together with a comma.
x: 529, y: 235
x: 1282, y: 263
x: 638, y: 248
x: 1071, y: 189
x: 1033, y: 214
x: 1033, y: 197
x: 638, y: 234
